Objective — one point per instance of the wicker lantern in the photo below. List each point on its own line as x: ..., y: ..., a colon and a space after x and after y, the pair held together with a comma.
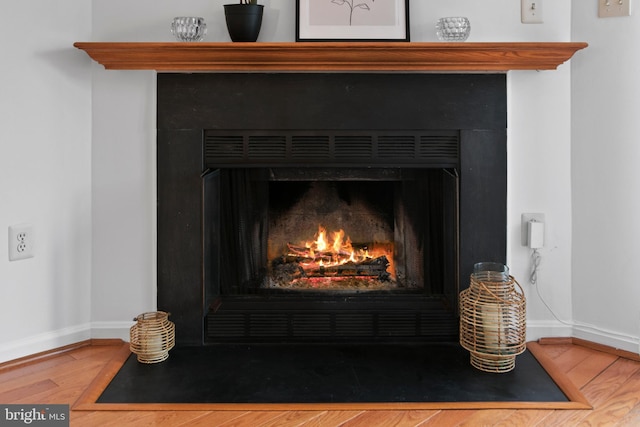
x: 493, y: 318
x: 152, y: 337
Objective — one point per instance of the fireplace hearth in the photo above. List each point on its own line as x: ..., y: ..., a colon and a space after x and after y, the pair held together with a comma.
x: 257, y: 170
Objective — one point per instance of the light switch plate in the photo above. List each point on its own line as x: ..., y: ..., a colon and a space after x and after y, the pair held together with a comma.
x: 531, y: 11
x: 613, y: 8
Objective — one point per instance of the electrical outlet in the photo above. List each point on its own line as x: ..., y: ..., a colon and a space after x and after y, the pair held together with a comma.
x: 21, y: 242
x: 613, y: 8
x: 531, y: 11
x: 524, y: 226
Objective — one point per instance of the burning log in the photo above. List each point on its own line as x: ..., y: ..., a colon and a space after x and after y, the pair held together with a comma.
x: 374, y: 267
x: 298, y: 250
x: 321, y: 263
x: 305, y: 252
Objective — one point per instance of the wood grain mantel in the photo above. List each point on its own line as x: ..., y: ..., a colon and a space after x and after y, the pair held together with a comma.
x: 330, y: 56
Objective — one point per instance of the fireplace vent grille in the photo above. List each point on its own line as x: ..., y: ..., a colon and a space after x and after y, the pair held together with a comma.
x: 231, y: 148
x: 311, y: 146
x: 295, y: 321
x: 352, y: 146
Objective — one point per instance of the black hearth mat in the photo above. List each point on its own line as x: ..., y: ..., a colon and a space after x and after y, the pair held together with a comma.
x: 297, y: 373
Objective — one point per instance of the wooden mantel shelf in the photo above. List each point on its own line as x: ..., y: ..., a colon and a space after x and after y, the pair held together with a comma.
x: 330, y: 56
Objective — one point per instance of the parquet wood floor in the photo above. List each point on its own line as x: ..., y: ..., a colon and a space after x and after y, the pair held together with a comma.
x: 610, y: 382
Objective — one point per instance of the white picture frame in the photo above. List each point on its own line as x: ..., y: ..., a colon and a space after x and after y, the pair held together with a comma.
x: 352, y: 20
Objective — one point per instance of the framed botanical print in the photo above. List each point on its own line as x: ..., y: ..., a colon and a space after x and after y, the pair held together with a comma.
x: 352, y: 20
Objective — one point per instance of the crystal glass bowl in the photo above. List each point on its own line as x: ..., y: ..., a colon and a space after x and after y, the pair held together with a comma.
x: 188, y: 28
x: 453, y: 29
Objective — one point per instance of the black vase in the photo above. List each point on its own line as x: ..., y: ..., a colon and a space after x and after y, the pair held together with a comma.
x: 243, y: 21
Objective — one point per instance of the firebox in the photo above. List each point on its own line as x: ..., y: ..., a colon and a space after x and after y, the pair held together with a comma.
x: 326, y: 207
x: 353, y: 231
x: 361, y: 259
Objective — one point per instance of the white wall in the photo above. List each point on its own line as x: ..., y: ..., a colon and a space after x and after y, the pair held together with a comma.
x: 123, y: 162
x: 45, y: 174
x: 606, y: 177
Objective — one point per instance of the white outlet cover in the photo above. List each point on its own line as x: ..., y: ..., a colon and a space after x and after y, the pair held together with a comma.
x: 613, y: 8
x: 21, y: 242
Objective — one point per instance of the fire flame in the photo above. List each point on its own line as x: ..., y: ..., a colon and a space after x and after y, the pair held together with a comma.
x: 335, y: 250
x: 333, y: 257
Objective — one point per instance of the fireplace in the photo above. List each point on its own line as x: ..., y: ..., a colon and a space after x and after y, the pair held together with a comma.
x: 306, y: 207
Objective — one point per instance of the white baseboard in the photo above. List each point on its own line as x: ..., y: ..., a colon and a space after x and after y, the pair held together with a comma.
x: 44, y: 342
x: 106, y: 330
x: 551, y: 329
x: 62, y: 337
x: 611, y: 339
x: 547, y: 328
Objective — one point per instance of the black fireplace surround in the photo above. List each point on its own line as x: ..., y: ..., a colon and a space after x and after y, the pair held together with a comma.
x: 231, y: 144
